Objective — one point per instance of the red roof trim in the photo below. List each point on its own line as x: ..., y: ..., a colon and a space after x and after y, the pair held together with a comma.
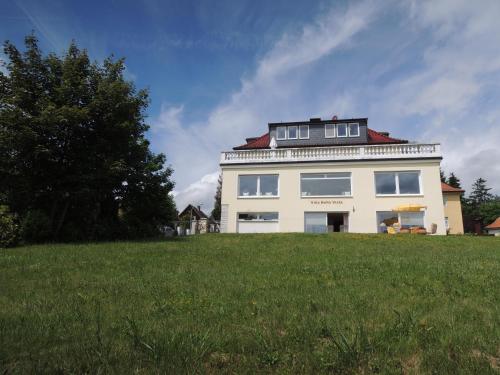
x: 450, y: 189
x: 376, y: 138
x: 256, y: 143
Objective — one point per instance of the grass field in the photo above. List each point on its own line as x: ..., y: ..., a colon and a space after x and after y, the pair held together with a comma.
x: 287, y: 303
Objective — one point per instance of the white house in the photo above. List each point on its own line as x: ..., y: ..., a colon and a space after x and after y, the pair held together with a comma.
x: 333, y: 175
x: 494, y: 228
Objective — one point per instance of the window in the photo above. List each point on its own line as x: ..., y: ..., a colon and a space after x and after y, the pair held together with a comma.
x: 445, y: 200
x: 329, y: 130
x: 292, y: 132
x: 281, y: 132
x: 405, y: 219
x: 304, y: 131
x: 258, y: 216
x: 315, y: 222
x: 341, y: 130
x: 411, y: 219
x: 258, y: 185
x: 409, y: 183
x: 446, y: 223
x: 325, y: 184
x: 397, y: 183
x: 354, y: 130
x: 385, y: 183
x: 386, y: 219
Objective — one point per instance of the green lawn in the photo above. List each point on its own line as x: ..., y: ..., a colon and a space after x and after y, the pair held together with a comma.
x: 287, y: 303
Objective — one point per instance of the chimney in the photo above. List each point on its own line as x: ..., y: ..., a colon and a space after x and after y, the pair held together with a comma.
x: 199, y: 208
x: 315, y: 119
x: 384, y: 133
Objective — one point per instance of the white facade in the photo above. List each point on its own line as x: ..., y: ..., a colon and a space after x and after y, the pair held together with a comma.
x: 296, y: 174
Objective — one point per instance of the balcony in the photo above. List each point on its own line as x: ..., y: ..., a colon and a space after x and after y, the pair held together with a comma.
x: 336, y: 153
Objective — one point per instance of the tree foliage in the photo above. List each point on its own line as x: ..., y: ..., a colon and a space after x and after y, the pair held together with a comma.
x: 442, y: 176
x: 489, y: 211
x: 74, y: 160
x: 217, y: 200
x: 480, y: 193
x: 454, y: 181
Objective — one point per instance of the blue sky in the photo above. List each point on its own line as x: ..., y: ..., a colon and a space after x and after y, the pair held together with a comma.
x: 218, y: 71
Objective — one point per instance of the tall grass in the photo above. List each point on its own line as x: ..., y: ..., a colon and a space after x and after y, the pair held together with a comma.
x: 293, y: 303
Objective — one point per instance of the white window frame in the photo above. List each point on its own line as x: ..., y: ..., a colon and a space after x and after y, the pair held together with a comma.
x: 334, y: 131
x: 296, y: 132
x: 259, y: 195
x: 258, y: 214
x: 306, y: 127
x: 349, y: 129
x: 346, y: 130
x: 396, y: 176
x: 325, y: 178
x: 277, y: 131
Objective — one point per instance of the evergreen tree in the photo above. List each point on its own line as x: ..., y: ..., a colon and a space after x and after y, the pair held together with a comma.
x: 454, y: 181
x: 442, y: 176
x: 480, y: 193
x: 74, y: 160
x: 218, y: 196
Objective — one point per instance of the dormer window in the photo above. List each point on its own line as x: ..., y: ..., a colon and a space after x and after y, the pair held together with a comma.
x: 329, y: 130
x: 354, y: 130
x: 292, y: 132
x: 304, y: 131
x: 341, y: 130
x: 281, y: 133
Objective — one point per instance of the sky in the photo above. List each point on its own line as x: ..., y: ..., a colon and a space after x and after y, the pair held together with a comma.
x: 219, y: 71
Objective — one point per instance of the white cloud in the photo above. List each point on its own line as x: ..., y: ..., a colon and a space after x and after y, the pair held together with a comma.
x: 447, y: 93
x: 197, y: 193
x: 276, y: 89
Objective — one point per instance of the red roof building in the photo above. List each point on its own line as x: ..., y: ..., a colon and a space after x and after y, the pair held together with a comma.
x: 494, y: 225
x: 450, y: 189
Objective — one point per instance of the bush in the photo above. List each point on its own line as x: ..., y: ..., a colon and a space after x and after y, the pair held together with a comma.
x: 9, y: 229
x: 36, y: 227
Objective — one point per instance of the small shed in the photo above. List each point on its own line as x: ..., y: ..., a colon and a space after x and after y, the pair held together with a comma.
x: 494, y: 228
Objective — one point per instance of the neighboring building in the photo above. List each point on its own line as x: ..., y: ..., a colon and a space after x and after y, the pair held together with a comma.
x: 494, y: 228
x: 330, y: 175
x: 452, y: 209
x: 196, y: 219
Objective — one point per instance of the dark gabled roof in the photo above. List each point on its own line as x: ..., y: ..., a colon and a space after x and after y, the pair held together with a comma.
x: 374, y: 138
x: 450, y: 189
x: 196, y: 212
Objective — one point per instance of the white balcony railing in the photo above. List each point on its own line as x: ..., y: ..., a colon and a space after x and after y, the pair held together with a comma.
x: 365, y: 152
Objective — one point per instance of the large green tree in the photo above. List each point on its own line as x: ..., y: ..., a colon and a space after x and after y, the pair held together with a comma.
x: 74, y: 160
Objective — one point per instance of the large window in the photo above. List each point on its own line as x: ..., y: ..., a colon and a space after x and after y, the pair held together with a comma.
x: 411, y: 219
x: 265, y: 185
x: 405, y: 219
x: 315, y: 222
x: 281, y: 132
x: 397, y: 183
x: 325, y: 184
x: 258, y: 216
